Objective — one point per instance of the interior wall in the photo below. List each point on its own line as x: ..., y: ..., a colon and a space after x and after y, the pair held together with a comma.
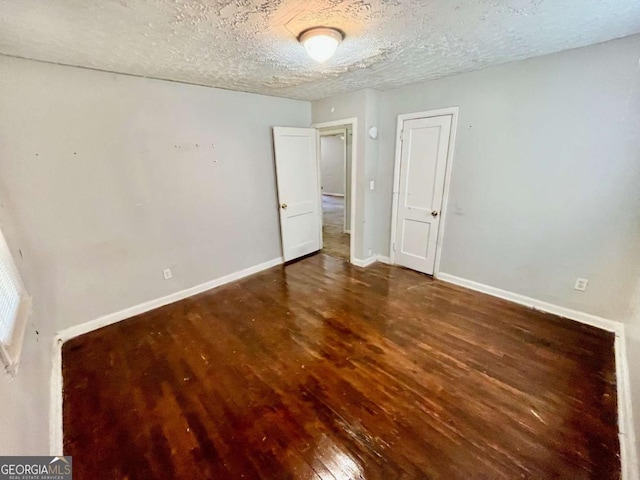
x: 632, y: 329
x: 544, y: 185
x: 364, y: 106
x: 24, y: 420
x: 24, y: 416
x: 332, y: 164
x: 373, y: 116
x: 105, y: 180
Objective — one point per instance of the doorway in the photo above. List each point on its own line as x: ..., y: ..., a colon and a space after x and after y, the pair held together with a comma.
x: 298, y: 178
x: 335, y: 186
x: 424, y: 153
x: 337, y: 165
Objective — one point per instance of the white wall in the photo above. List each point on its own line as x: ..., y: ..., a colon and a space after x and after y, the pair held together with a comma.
x: 546, y: 175
x: 632, y: 329
x: 24, y: 401
x: 545, y: 185
x: 24, y: 420
x: 107, y: 179
x: 332, y: 164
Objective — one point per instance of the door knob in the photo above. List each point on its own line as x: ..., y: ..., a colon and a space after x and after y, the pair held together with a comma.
x: 434, y: 213
x: 283, y: 206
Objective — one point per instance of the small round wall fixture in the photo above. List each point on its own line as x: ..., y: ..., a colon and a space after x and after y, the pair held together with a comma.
x: 321, y: 42
x: 373, y: 133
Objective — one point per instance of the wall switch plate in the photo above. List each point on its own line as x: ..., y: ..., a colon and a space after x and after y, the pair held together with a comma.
x: 581, y: 284
x: 372, y: 184
x: 167, y: 273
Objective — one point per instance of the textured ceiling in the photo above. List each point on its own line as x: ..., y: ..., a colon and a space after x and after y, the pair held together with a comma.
x: 251, y: 45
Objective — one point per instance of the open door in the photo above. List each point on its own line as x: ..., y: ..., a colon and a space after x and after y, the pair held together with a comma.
x: 296, y: 154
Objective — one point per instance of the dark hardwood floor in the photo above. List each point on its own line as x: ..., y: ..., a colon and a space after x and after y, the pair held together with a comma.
x: 325, y: 370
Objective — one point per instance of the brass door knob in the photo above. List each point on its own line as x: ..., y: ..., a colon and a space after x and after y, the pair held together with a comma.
x: 283, y: 206
x: 434, y: 213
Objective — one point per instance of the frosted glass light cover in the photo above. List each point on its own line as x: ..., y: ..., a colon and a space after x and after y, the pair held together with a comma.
x: 321, y: 43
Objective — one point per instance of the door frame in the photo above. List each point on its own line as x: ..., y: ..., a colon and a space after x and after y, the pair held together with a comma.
x: 354, y: 162
x: 453, y: 111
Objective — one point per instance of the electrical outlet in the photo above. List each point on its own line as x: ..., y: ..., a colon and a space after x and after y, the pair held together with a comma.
x: 167, y: 273
x: 372, y: 185
x: 581, y: 284
x: 370, y: 252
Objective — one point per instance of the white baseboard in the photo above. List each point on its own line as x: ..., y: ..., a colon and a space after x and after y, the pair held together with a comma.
x: 364, y: 263
x: 115, y: 317
x: 628, y: 452
x: 55, y: 403
x: 626, y: 430
x: 55, y: 421
x: 333, y: 194
x: 384, y: 259
x: 586, y: 318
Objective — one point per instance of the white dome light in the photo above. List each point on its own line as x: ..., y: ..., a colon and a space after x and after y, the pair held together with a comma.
x: 321, y: 42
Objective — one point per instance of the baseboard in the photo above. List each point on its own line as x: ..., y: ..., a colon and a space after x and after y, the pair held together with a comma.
x: 364, y: 263
x: 628, y: 452
x: 383, y: 259
x: 115, y: 317
x: 55, y: 420
x: 333, y: 194
x: 55, y: 401
x: 626, y: 430
x: 586, y: 318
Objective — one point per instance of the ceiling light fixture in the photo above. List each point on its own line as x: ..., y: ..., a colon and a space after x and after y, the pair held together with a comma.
x: 321, y: 42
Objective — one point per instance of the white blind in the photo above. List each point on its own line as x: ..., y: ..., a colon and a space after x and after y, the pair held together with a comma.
x: 9, y: 302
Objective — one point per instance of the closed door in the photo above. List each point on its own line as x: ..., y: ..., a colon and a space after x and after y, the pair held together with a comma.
x: 423, y: 163
x: 297, y: 170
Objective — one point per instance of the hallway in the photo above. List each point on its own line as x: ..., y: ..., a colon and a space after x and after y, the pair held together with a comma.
x: 335, y: 242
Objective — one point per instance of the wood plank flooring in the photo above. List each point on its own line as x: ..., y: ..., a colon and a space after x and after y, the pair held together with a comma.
x: 320, y: 369
x: 335, y: 241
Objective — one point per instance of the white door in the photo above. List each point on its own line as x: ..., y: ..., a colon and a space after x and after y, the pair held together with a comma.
x: 423, y: 162
x: 298, y: 190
